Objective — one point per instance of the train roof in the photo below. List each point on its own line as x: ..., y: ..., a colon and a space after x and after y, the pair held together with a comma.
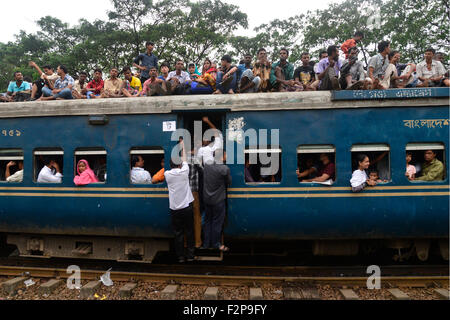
x: 415, y: 97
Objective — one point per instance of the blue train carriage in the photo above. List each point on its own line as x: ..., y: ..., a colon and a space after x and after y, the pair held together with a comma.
x: 115, y: 219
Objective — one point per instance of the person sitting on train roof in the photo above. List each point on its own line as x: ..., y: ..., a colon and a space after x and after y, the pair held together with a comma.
x: 359, y: 178
x: 373, y: 175
x: 328, y: 70
x: 180, y: 204
x: 206, y: 82
x: 432, y: 169
x: 159, y: 176
x: 95, y: 87
x: 379, y: 63
x: 146, y: 60
x: 206, y: 153
x: 44, y: 78
x: 351, y: 43
x: 305, y: 74
x: 79, y: 89
x: 112, y: 85
x: 138, y: 174
x: 226, y: 81
x: 179, y: 79
x: 410, y: 169
x: 390, y: 79
x: 310, y: 172
x: 353, y: 76
x: 164, y: 70
x: 326, y: 172
x: 262, y: 68
x: 63, y: 86
x: 50, y: 172
x: 18, y: 175
x: 193, y: 71
x: 282, y: 75
x: 154, y: 86
x: 216, y: 179
x: 85, y: 174
x: 245, y: 65
x: 249, y: 83
x: 131, y: 86
x: 18, y: 90
x: 430, y: 72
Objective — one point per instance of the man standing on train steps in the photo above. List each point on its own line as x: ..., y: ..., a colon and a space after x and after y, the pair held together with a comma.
x: 180, y: 204
x: 216, y: 180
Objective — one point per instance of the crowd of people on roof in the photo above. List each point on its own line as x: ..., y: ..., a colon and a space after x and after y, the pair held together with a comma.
x: 384, y: 71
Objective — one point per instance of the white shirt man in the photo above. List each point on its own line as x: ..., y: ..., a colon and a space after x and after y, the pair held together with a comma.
x: 206, y: 154
x: 180, y: 195
x: 16, y: 177
x: 182, y: 77
x: 140, y: 176
x: 46, y: 176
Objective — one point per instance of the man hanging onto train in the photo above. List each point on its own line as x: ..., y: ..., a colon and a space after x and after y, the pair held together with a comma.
x: 45, y: 77
x: 430, y: 72
x: 62, y: 88
x: 195, y: 172
x: 378, y: 64
x: 50, y: 172
x: 282, y: 75
x: 206, y: 153
x: 432, y: 169
x: 328, y: 70
x: 180, y: 204
x: 138, y: 174
x: 216, y: 179
x: 16, y: 176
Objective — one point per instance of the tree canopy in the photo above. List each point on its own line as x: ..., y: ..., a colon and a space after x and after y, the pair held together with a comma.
x: 193, y: 31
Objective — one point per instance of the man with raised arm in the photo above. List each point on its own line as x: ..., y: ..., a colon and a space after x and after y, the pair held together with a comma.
x: 50, y: 173
x: 206, y: 153
x: 63, y: 86
x: 146, y: 60
x: 180, y: 204
x: 44, y: 80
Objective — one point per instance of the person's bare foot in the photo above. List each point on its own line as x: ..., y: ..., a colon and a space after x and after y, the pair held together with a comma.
x: 217, y: 92
x: 231, y: 91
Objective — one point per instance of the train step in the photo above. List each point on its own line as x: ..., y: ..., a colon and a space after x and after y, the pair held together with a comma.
x: 208, y: 255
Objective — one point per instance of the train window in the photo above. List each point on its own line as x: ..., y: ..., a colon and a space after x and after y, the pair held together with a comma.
x: 96, y: 157
x: 425, y: 161
x: 316, y: 164
x: 11, y: 165
x: 379, y: 160
x: 146, y: 159
x: 48, y: 165
x: 262, y: 165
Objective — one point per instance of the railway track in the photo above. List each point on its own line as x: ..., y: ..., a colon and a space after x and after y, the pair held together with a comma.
x: 227, y: 282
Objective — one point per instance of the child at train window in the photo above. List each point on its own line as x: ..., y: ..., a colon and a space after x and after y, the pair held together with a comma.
x: 85, y: 174
x: 410, y: 169
x: 359, y: 178
x: 373, y: 175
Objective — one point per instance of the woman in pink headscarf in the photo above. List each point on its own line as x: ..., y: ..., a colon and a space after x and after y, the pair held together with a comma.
x: 85, y: 174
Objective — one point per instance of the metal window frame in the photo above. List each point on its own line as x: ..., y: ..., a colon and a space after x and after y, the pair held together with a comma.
x: 422, y: 146
x: 316, y: 148
x: 370, y: 147
x: 146, y: 151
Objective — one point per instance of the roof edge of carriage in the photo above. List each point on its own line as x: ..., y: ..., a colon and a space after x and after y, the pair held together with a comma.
x: 414, y: 97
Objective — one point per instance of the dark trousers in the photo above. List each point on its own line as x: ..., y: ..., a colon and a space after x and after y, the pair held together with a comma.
x: 214, y: 218
x: 183, y: 224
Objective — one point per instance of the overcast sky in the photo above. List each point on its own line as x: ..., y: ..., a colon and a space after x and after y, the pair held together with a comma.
x: 22, y: 15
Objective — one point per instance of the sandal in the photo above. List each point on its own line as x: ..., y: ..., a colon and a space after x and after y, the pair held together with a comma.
x: 224, y: 248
